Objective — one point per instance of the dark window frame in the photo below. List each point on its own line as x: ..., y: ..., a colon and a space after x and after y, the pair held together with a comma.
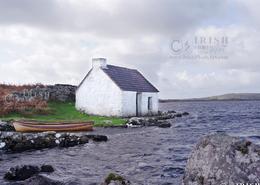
x: 150, y: 103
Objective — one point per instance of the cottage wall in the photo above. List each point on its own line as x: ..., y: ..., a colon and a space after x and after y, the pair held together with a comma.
x: 144, y: 104
x: 129, y: 103
x: 99, y: 95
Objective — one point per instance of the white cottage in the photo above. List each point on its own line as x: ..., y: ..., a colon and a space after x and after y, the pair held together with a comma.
x: 110, y: 90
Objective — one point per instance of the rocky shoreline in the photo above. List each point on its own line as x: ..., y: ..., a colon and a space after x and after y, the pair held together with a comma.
x: 216, y: 159
x: 11, y: 141
x: 160, y: 120
x: 18, y: 142
x: 36, y: 175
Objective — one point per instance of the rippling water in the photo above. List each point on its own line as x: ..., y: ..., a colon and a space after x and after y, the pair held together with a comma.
x: 153, y: 156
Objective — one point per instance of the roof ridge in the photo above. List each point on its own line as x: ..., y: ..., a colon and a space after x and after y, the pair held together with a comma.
x: 122, y: 67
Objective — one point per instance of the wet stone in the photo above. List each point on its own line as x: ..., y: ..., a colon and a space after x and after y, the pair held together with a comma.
x: 98, y: 138
x: 5, y: 126
x: 21, y: 172
x: 41, y: 180
x: 159, y: 120
x: 47, y: 168
x: 19, y: 142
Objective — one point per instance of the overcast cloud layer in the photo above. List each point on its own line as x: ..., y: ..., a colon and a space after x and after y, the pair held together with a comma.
x: 53, y: 41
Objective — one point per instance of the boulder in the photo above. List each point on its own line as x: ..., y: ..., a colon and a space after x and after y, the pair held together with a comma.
x: 41, y: 180
x: 164, y: 124
x: 47, y: 168
x: 219, y: 159
x: 115, y: 179
x: 178, y: 115
x: 19, y: 173
x: 24, y: 172
x: 98, y: 138
x: 5, y: 126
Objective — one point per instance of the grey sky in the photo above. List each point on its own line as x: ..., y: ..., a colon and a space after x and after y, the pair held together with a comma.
x: 53, y: 41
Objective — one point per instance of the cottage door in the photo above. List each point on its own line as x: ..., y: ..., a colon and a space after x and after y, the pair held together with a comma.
x: 138, y: 104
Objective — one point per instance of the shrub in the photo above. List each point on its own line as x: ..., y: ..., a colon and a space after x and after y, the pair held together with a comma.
x: 12, y: 105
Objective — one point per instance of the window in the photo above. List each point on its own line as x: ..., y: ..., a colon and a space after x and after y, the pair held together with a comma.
x: 150, y: 103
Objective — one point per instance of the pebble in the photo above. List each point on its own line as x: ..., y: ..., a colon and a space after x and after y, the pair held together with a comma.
x: 2, y: 144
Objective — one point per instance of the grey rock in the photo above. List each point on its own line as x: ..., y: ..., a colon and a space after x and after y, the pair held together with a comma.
x: 5, y: 126
x: 185, y: 113
x: 19, y: 142
x: 23, y: 172
x: 98, y: 138
x: 221, y: 159
x: 159, y: 120
x: 62, y: 92
x: 178, y: 115
x: 41, y: 180
x: 58, y: 92
x: 165, y: 125
x: 47, y: 168
x: 19, y: 173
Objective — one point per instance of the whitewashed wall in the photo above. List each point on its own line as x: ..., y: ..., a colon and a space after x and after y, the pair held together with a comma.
x: 129, y: 103
x: 99, y: 95
x: 144, y: 105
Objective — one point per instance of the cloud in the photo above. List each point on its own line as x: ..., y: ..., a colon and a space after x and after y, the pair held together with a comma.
x: 205, y: 77
x: 116, y: 18
x: 53, y: 41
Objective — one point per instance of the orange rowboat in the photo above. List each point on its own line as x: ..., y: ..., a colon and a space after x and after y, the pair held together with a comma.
x: 32, y: 126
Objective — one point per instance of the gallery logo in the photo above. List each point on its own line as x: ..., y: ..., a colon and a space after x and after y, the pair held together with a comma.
x: 200, y: 48
x: 179, y: 47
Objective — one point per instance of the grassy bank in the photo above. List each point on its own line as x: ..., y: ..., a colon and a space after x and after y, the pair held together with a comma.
x: 65, y: 112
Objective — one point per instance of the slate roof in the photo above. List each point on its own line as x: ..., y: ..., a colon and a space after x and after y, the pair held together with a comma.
x: 129, y: 79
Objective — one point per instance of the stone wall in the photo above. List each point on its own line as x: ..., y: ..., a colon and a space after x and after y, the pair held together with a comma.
x: 58, y: 92
x: 62, y: 92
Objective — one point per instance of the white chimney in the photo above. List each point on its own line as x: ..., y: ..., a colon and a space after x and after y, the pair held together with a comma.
x: 99, y: 63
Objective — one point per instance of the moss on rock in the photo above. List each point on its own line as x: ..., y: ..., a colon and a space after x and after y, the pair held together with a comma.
x: 115, y: 177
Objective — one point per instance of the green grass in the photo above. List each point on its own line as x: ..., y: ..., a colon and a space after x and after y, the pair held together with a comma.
x: 66, y: 112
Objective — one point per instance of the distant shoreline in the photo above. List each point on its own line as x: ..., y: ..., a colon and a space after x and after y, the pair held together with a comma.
x: 224, y: 97
x: 202, y: 100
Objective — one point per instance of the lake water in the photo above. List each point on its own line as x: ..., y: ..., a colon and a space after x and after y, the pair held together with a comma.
x: 151, y: 155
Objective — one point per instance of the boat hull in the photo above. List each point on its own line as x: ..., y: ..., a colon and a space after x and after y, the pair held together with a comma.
x: 57, y: 127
